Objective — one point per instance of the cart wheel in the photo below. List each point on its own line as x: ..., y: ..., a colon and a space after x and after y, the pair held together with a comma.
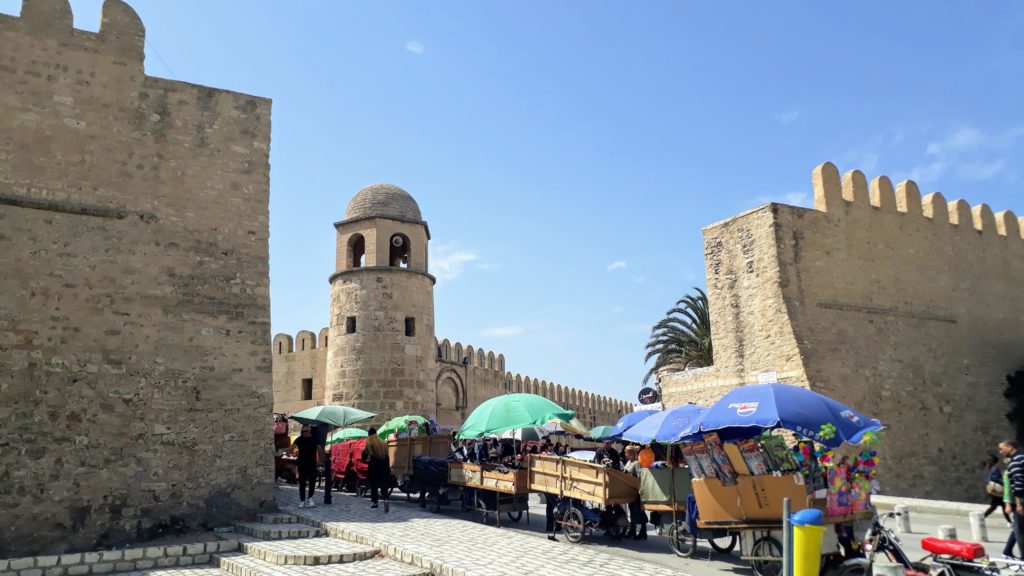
x: 724, y: 544
x: 515, y: 516
x: 862, y: 569
x: 573, y: 525
x: 681, y: 541
x: 434, y: 506
x: 766, y: 547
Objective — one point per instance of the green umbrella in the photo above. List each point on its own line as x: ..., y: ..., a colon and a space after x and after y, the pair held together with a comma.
x: 512, y: 411
x: 345, y: 434
x: 334, y: 416
x: 397, y: 425
x: 601, y: 432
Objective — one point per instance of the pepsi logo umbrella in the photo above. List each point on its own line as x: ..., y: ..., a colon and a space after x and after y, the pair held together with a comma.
x: 667, y: 426
x: 749, y: 410
x: 631, y: 419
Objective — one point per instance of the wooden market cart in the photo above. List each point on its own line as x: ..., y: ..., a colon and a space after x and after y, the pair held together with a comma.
x: 575, y: 482
x: 401, y: 451
x: 752, y: 508
x: 496, y: 489
x: 665, y: 492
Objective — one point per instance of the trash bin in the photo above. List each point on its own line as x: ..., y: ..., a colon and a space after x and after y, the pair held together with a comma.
x: 808, y: 532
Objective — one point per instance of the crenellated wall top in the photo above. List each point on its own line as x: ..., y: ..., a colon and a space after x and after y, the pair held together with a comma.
x: 834, y: 195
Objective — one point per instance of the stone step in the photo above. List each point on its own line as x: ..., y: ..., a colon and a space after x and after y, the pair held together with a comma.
x: 309, y: 551
x: 245, y: 565
x: 277, y: 518
x: 277, y: 531
x: 204, y: 570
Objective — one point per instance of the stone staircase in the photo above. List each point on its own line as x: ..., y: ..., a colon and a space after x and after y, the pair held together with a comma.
x: 281, y: 544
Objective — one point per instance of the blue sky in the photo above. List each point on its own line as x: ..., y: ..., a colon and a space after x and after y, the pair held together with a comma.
x: 567, y: 154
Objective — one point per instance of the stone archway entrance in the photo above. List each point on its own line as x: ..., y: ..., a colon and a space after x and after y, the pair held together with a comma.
x: 451, y: 399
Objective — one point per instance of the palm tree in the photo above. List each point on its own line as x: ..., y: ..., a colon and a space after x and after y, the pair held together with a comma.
x: 683, y: 338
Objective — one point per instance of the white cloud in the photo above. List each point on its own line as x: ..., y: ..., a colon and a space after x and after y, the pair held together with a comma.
x: 967, y: 151
x: 974, y: 171
x: 414, y: 47
x: 617, y: 265
x: 791, y: 198
x: 501, y: 331
x: 788, y: 117
x: 448, y: 263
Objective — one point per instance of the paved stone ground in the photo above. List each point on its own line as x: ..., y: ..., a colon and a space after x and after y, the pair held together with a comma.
x: 455, y: 547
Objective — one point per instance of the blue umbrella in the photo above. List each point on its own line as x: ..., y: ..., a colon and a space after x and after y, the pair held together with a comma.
x: 630, y: 420
x: 668, y: 426
x: 749, y: 410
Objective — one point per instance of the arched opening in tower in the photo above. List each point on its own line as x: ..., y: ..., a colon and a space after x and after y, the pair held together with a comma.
x: 399, y: 257
x: 357, y: 251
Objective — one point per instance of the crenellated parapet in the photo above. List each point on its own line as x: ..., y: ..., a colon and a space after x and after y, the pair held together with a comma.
x: 122, y: 35
x: 470, y: 356
x: 600, y: 408
x: 304, y: 341
x: 837, y: 195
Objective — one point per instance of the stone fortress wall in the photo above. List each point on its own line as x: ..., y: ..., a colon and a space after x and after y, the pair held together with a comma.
x: 134, y: 301
x: 464, y: 378
x: 910, y: 309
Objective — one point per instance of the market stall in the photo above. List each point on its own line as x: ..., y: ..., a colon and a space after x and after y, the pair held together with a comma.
x: 498, y: 489
x: 583, y: 488
x: 403, y: 449
x: 741, y: 471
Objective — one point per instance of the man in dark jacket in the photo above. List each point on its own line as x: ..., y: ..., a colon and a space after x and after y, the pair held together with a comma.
x: 608, y: 456
x: 1015, y: 478
x: 309, y: 450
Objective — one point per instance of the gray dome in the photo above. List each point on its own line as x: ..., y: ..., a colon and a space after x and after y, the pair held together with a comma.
x: 383, y: 201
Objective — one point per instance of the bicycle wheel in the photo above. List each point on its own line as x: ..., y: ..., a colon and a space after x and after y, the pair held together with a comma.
x: 769, y: 549
x: 515, y: 516
x: 573, y: 525
x: 724, y: 544
x: 434, y: 505
x: 681, y: 541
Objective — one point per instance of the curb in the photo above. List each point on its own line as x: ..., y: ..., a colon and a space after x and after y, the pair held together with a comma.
x: 920, y: 506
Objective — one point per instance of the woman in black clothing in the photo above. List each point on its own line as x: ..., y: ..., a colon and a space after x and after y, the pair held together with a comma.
x: 309, y: 449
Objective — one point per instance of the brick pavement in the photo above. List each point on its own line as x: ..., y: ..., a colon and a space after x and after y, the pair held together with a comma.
x: 456, y: 547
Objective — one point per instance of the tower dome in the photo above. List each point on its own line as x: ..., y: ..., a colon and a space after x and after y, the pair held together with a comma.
x: 383, y: 201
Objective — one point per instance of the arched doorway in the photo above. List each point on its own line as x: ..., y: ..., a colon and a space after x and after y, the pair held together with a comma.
x: 451, y: 399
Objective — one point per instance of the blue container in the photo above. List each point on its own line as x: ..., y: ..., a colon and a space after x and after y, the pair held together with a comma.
x: 808, y: 517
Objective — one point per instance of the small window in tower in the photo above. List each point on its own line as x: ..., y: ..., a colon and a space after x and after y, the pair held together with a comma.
x: 350, y: 325
x: 307, y: 388
x: 410, y: 326
x: 280, y: 347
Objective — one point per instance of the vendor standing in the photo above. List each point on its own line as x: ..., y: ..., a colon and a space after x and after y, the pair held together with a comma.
x: 608, y: 456
x: 309, y: 449
x: 379, y: 471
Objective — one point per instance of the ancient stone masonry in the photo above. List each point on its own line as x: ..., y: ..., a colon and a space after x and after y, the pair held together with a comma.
x: 465, y: 378
x: 908, y: 308
x: 134, y: 307
x: 380, y: 353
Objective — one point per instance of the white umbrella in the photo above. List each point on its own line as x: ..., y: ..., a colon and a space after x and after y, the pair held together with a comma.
x: 528, y: 434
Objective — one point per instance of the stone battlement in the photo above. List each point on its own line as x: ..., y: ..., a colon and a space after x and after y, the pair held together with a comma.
x: 122, y: 34
x: 835, y: 196
x: 476, y: 357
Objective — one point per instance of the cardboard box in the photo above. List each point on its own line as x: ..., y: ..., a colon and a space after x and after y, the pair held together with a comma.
x: 761, y: 496
x: 716, y: 502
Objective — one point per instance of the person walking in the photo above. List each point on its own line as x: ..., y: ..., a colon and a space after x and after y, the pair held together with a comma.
x: 1015, y: 483
x: 308, y: 449
x: 637, y: 517
x: 995, y: 487
x: 379, y: 472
